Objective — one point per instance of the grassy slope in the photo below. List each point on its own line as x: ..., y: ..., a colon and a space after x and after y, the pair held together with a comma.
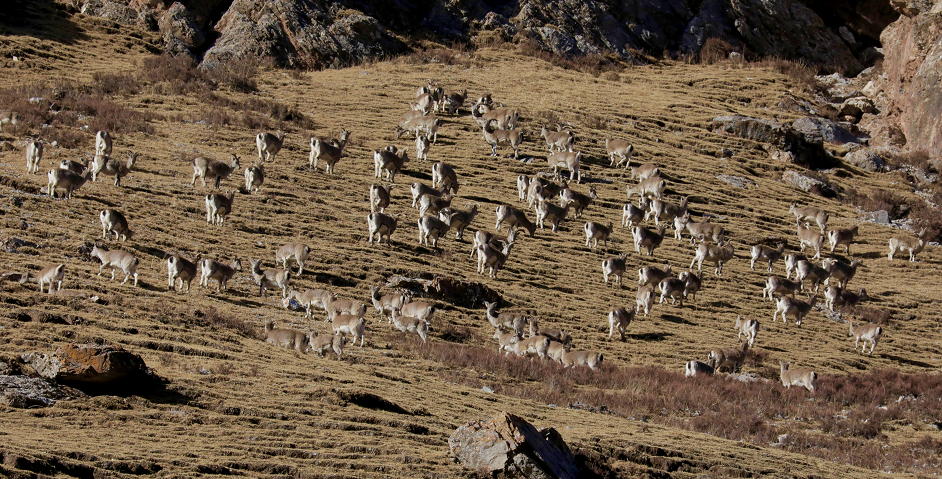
x: 289, y: 411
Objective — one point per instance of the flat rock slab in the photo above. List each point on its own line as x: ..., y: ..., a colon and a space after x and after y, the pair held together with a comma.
x: 26, y: 392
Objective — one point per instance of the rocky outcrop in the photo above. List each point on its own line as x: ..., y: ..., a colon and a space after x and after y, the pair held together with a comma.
x: 788, y: 144
x: 908, y: 91
x: 298, y: 33
x: 317, y: 33
x: 91, y: 365
x: 825, y: 130
x: 179, y: 30
x: 510, y: 444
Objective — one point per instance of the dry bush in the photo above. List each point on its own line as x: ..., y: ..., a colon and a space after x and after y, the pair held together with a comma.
x: 714, y: 51
x: 214, y: 117
x: 918, y: 158
x: 238, y: 75
x: 216, y: 319
x: 64, y: 137
x: 174, y: 75
x: 254, y: 121
x: 593, y: 64
x: 878, y: 199
x: 849, y: 409
x: 928, y: 217
x: 116, y: 83
x: 610, y: 76
x: 457, y: 54
x: 798, y: 71
x: 77, y: 107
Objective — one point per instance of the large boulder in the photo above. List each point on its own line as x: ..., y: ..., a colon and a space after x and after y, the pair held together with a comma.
x: 866, y: 159
x: 91, y: 365
x: 822, y: 129
x: 510, y: 444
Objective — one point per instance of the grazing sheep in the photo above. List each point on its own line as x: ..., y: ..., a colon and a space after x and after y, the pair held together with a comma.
x: 695, y: 368
x: 618, y: 320
x: 116, y: 259
x: 748, y: 327
x: 868, y: 333
x: 797, y: 377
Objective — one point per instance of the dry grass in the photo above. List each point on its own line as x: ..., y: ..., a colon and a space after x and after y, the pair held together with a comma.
x: 234, y: 404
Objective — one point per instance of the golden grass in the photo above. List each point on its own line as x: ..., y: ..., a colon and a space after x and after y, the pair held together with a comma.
x: 234, y: 403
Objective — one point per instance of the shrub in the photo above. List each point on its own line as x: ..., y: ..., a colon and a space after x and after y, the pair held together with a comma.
x: 238, y: 75
x: 878, y: 199
x: 714, y: 51
x: 116, y: 83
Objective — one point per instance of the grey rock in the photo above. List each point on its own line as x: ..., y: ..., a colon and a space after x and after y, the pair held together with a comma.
x: 114, y: 11
x: 298, y: 34
x: 736, y: 181
x: 866, y: 159
x: 90, y: 364
x: 509, y: 444
x: 821, y: 129
x: 807, y: 150
x: 808, y: 184
x: 177, y: 24
x: 27, y: 392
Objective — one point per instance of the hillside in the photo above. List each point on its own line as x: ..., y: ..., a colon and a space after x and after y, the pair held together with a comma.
x: 233, y: 404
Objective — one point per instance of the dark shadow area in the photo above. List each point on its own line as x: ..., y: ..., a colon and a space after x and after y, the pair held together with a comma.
x: 910, y: 362
x: 649, y: 336
x: 675, y: 319
x: 42, y: 19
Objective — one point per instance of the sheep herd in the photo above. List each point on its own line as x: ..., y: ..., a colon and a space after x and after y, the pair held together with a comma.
x: 551, y: 201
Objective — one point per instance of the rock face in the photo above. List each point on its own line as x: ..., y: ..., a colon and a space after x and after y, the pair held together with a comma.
x: 319, y: 33
x: 300, y: 33
x: 826, y: 130
x: 510, y: 444
x: 180, y: 32
x: 908, y: 91
x: 87, y: 364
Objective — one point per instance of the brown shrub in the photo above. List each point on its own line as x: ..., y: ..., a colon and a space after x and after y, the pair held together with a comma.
x: 593, y: 64
x: 116, y: 83
x: 798, y: 71
x: 64, y: 137
x: 869, y: 315
x: 878, y: 199
x: 214, y: 117
x: 714, y: 51
x: 457, y: 54
x: 238, y: 75
x: 754, y: 412
x: 917, y: 158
